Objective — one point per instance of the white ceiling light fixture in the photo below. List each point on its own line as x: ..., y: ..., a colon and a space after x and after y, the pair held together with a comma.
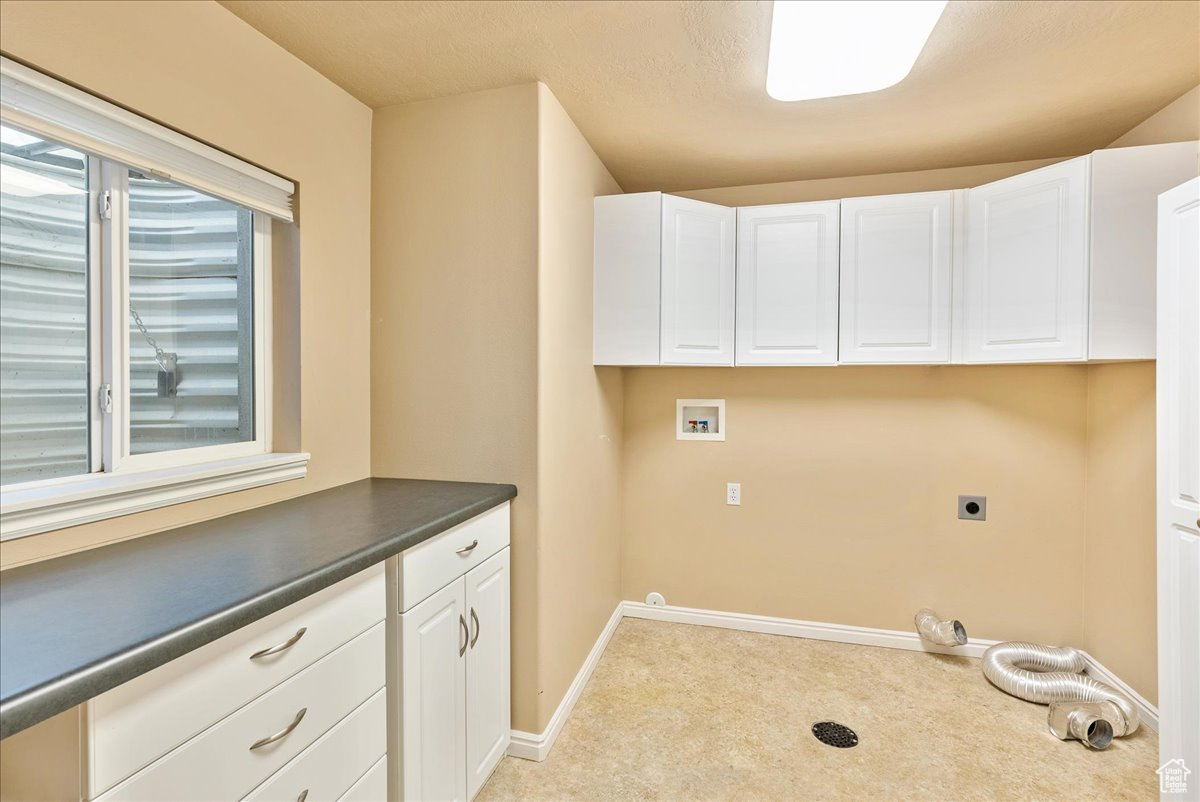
x: 827, y: 48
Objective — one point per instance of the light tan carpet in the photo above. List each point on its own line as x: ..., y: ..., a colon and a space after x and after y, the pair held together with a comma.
x: 678, y: 712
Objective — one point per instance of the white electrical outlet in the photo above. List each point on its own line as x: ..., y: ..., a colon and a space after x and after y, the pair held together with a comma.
x: 733, y: 494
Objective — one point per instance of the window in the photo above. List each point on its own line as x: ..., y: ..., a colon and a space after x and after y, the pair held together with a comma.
x: 188, y: 360
x: 134, y: 317
x: 44, y: 300
x: 191, y: 318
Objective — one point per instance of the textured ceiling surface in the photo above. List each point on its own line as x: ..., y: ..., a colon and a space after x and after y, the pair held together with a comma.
x: 670, y: 93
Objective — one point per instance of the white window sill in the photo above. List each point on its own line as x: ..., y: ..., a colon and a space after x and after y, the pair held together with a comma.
x: 55, y: 505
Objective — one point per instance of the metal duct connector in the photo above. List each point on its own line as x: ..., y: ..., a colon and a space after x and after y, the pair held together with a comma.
x: 1090, y: 723
x: 948, y: 632
x: 1047, y: 674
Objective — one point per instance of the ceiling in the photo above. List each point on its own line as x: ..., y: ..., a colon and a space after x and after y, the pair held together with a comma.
x: 671, y: 93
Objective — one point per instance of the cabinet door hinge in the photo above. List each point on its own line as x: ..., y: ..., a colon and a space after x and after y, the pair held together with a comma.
x: 104, y: 398
x: 104, y: 205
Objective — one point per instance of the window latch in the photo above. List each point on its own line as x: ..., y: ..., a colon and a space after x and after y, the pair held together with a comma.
x: 104, y: 205
x: 104, y: 398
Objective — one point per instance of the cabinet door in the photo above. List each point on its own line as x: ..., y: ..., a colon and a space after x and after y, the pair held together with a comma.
x: 787, y: 284
x: 1027, y: 266
x: 896, y: 258
x: 433, y: 645
x: 697, y: 282
x: 489, y: 723
x: 1178, y: 399
x: 627, y: 279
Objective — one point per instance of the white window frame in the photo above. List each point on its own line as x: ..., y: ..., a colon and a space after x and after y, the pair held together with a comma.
x: 120, y: 482
x: 115, y: 350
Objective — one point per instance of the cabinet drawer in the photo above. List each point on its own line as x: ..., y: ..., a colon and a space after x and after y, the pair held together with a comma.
x: 219, y: 763
x: 337, y: 760
x: 372, y: 787
x: 437, y: 562
x: 145, y: 718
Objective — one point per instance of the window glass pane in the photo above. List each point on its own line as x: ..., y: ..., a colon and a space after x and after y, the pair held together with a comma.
x: 43, y: 309
x: 191, y: 352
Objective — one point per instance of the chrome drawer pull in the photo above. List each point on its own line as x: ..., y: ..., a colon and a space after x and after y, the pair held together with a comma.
x: 462, y: 622
x: 270, y: 739
x: 287, y: 644
x: 468, y: 549
x: 303, y: 796
x: 475, y: 619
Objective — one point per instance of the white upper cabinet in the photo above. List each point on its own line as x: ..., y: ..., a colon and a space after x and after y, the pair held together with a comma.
x: 1053, y: 265
x: 1126, y: 183
x: 697, y: 282
x: 1060, y: 262
x: 1026, y: 266
x: 627, y: 279
x: 663, y: 281
x: 896, y: 260
x: 787, y: 284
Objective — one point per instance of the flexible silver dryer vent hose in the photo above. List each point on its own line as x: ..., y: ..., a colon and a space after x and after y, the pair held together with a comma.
x: 948, y: 632
x: 1048, y: 674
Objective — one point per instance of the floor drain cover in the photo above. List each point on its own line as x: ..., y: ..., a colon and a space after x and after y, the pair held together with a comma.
x: 834, y: 734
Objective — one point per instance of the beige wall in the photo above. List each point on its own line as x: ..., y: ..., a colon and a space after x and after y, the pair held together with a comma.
x: 579, y: 415
x: 455, y: 314
x: 814, y: 448
x: 849, y: 482
x: 863, y: 185
x: 1119, y: 593
x: 850, y: 478
x: 45, y: 762
x: 1120, y: 568
x: 1178, y: 121
x: 482, y: 248
x: 473, y: 350
x: 196, y: 67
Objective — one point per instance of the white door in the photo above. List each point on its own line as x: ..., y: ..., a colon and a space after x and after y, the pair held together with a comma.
x: 1027, y: 266
x: 896, y: 257
x: 434, y: 641
x: 787, y: 284
x: 697, y: 282
x: 1179, y: 480
x: 489, y: 723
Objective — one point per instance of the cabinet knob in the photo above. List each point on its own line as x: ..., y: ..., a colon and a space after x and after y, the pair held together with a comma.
x: 475, y: 621
x: 467, y: 549
x: 466, y: 636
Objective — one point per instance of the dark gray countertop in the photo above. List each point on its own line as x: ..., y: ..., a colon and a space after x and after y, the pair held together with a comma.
x: 76, y: 626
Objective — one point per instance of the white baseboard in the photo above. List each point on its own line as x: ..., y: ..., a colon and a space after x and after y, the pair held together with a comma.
x: 536, y: 746
x: 795, y: 628
x: 1147, y: 711
x: 532, y: 746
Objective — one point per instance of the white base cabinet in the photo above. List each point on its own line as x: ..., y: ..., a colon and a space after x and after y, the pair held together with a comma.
x: 489, y: 718
x: 452, y: 720
x: 434, y: 697
x: 293, y: 704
